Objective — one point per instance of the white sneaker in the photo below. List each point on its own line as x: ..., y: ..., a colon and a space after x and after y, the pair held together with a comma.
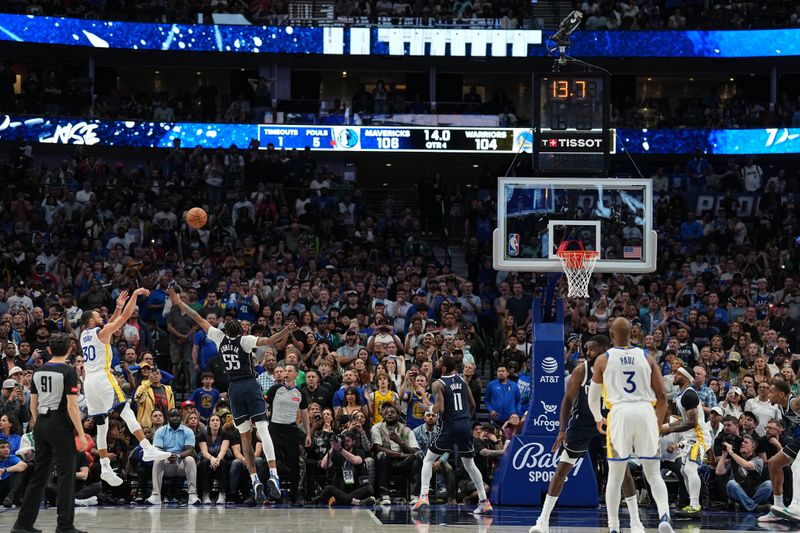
x: 206, y: 500
x: 386, y: 500
x: 154, y: 499
x: 86, y: 502
x: 108, y: 475
x: 539, y: 528
x: 154, y: 454
x: 769, y: 517
x: 221, y: 499
x: 665, y: 527
x: 193, y: 499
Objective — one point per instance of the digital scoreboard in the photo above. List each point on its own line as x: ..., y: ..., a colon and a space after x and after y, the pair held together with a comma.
x: 396, y: 139
x: 571, y: 123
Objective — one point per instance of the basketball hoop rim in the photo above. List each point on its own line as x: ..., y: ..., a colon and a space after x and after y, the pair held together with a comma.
x: 575, y: 259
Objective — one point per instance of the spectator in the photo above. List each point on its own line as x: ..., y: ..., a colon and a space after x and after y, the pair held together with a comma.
x: 11, y: 469
x: 425, y: 434
x: 205, y: 397
x: 180, y: 442
x: 745, y: 486
x: 351, y: 484
x: 396, y: 451
x: 153, y: 395
x: 502, y: 398
x: 214, y: 445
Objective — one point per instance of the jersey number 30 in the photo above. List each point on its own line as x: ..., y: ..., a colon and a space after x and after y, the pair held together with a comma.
x: 630, y: 385
x: 89, y: 353
x: 231, y: 361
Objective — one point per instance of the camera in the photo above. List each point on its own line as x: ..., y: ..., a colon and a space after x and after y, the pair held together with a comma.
x: 735, y: 441
x: 317, y: 417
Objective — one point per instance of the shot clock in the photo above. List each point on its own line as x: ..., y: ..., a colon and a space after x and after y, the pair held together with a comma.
x: 571, y: 123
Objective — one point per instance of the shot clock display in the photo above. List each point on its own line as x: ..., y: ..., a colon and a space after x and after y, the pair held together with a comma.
x: 571, y: 103
x: 572, y: 133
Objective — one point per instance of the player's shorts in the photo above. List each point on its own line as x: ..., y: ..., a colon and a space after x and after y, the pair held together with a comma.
x: 792, y: 448
x: 579, y: 438
x: 454, y: 434
x: 102, y: 393
x: 693, y: 449
x: 247, y: 401
x: 632, y: 431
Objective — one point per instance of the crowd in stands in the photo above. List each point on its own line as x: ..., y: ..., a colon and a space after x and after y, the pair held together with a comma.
x: 599, y: 14
x: 375, y: 310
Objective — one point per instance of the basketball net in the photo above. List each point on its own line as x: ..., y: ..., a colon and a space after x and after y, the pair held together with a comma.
x: 578, y: 266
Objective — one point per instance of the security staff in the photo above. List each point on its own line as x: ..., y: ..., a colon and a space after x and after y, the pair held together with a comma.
x: 54, y: 414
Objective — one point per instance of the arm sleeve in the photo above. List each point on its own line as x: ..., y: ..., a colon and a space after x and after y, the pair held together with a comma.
x: 595, y: 397
x: 215, y: 335
x: 249, y: 343
x: 690, y: 399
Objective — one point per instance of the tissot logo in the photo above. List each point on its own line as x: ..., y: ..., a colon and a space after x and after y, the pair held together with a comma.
x: 572, y: 143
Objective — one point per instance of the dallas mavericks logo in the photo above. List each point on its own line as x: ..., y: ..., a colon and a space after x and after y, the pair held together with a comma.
x: 345, y: 137
x: 549, y: 365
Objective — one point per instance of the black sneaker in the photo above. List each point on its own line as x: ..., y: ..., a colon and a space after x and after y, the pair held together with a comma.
x: 19, y: 529
x: 8, y: 503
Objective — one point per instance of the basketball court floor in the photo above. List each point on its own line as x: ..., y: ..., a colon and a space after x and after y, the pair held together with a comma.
x: 397, y: 518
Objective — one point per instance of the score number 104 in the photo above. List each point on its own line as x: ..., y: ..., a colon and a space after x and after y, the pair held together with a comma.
x: 438, y: 139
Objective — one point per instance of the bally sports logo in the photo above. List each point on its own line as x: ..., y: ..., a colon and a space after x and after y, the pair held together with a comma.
x: 541, y: 465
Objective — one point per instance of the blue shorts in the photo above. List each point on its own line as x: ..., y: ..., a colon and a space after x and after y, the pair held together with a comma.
x: 579, y: 439
x: 454, y: 434
x: 247, y: 401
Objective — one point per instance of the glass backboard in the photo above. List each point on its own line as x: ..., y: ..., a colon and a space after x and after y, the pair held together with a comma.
x: 612, y: 216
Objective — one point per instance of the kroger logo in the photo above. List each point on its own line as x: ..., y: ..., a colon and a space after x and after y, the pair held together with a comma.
x: 549, y: 365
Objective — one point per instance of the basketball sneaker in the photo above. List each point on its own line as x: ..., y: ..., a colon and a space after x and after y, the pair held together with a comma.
x: 792, y: 512
x: 420, y: 504
x: 690, y: 512
x: 258, y: 493
x: 539, y: 528
x: 664, y: 526
x: 484, y: 507
x: 274, y: 487
x: 769, y: 517
x: 108, y: 475
x: 154, y: 454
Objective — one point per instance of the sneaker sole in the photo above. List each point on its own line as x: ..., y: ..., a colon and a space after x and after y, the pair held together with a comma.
x: 482, y: 511
x: 112, y: 479
x: 258, y: 494
x: 155, y: 456
x: 783, y: 514
x: 772, y: 517
x: 274, y: 489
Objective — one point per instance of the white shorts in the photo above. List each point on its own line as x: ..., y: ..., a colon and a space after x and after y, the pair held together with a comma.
x: 632, y: 431
x: 102, y: 393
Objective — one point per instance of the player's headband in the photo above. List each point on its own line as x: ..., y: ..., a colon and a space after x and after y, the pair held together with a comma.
x: 686, y: 373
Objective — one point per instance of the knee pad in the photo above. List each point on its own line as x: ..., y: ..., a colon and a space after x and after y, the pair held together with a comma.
x: 565, y: 458
x: 244, y: 427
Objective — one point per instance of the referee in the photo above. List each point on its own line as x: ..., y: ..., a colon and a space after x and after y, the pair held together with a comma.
x: 54, y: 414
x: 286, y: 400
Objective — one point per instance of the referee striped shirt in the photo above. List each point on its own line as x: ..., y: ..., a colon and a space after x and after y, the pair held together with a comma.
x: 51, y: 384
x: 285, y: 402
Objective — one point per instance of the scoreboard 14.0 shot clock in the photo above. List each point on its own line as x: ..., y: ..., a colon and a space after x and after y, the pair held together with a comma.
x: 571, y: 123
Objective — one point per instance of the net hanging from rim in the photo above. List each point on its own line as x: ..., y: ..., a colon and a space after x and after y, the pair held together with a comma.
x: 578, y: 266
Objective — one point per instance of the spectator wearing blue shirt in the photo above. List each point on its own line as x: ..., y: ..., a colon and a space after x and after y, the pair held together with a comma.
x: 205, y: 397
x: 204, y: 349
x: 154, y: 307
x: 502, y: 397
x: 8, y: 432
x: 179, y: 441
x: 348, y: 380
x: 10, y: 468
x: 691, y: 230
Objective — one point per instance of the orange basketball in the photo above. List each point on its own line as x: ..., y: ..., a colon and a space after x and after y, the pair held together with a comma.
x: 196, y: 217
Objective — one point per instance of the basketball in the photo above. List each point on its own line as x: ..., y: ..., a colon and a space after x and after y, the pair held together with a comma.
x: 196, y: 217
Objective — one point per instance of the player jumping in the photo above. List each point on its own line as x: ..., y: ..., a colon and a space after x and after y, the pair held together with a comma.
x: 633, y: 383
x: 246, y: 397
x: 103, y: 394
x: 580, y: 431
x: 455, y: 403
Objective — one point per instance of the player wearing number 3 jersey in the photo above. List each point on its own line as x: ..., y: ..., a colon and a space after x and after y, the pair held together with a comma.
x: 100, y: 386
x: 247, y: 400
x: 633, y: 385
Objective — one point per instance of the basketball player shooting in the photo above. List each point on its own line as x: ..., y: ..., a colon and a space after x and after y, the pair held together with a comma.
x: 103, y: 394
x: 247, y: 399
x: 633, y: 384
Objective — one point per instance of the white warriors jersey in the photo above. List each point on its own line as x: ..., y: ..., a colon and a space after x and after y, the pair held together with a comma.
x: 627, y: 377
x: 96, y: 353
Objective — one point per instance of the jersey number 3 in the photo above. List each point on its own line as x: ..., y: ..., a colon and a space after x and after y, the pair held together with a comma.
x: 231, y: 361
x: 630, y: 385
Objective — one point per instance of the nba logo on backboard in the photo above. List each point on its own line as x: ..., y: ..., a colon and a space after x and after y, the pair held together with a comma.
x: 513, y: 244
